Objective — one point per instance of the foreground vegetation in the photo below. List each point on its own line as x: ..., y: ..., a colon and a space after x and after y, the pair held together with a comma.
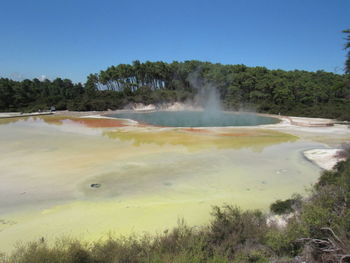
x: 317, y: 231
x: 318, y: 228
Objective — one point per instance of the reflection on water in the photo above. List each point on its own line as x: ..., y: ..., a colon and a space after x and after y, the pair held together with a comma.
x: 196, y: 118
x: 148, y: 177
x: 59, y: 120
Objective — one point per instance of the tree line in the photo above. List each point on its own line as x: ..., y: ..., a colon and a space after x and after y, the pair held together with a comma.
x: 297, y: 92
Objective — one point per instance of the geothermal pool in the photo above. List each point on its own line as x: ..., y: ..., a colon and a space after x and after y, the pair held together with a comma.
x: 148, y: 177
x: 196, y: 118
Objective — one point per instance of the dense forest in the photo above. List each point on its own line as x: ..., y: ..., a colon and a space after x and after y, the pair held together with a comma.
x: 297, y: 92
x: 318, y: 227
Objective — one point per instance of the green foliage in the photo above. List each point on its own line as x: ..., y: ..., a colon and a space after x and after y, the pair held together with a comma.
x: 314, y: 94
x: 233, y: 235
x: 231, y: 227
x: 282, y: 207
x: 287, y: 206
x: 252, y: 256
x: 347, y: 46
x: 283, y: 242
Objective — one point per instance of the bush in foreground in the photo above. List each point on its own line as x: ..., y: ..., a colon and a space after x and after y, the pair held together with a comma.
x: 319, y: 231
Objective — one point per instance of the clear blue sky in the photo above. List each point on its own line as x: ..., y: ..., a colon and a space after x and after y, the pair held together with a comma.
x: 72, y: 38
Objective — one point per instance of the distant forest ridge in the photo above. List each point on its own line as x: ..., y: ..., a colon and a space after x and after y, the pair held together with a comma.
x: 297, y: 92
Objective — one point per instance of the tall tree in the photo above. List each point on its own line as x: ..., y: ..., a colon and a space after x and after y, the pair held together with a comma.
x: 347, y: 46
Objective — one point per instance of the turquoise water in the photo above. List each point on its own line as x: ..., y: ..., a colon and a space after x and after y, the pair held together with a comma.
x: 196, y: 118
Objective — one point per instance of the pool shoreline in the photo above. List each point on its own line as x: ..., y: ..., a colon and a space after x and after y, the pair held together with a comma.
x: 145, y: 170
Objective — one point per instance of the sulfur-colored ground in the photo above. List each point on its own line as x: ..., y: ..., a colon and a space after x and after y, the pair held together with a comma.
x: 149, y: 176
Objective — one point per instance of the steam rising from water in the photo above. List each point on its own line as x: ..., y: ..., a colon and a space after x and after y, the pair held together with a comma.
x: 208, y: 97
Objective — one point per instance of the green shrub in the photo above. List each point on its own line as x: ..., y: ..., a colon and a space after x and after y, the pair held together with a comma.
x: 287, y: 206
x: 251, y: 256
x: 233, y: 235
x: 284, y: 242
x: 232, y: 228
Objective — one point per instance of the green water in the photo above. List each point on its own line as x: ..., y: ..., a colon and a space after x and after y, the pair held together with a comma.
x: 196, y: 118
